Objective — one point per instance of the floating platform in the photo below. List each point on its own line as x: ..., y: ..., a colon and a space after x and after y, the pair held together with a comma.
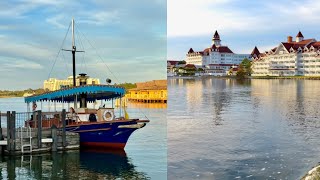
x: 26, y: 140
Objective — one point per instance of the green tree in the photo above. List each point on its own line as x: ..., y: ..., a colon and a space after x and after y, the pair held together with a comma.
x: 182, y: 62
x: 244, y: 68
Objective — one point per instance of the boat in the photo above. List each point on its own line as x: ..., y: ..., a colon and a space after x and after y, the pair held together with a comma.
x: 97, y: 128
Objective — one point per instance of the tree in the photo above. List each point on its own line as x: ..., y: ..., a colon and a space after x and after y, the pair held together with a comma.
x: 182, y: 62
x: 201, y: 70
x: 244, y: 68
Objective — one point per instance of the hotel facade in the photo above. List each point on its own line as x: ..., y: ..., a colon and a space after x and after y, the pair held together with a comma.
x: 216, y: 59
x: 292, y: 58
x: 53, y: 84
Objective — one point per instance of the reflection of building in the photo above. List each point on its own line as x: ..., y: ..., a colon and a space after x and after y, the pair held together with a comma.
x: 291, y: 58
x: 218, y: 57
x: 151, y: 91
x: 53, y: 84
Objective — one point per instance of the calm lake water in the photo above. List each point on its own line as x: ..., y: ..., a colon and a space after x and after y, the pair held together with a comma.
x: 145, y: 155
x: 256, y: 129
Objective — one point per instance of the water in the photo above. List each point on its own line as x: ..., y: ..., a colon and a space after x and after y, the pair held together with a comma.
x: 145, y: 155
x: 254, y: 129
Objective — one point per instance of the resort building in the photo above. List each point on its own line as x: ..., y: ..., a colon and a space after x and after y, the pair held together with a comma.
x: 149, y: 92
x: 216, y: 59
x: 53, y: 84
x: 171, y: 65
x: 292, y: 58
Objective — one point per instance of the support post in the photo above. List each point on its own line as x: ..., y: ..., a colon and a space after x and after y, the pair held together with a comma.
x: 8, y: 131
x: 0, y: 128
x: 63, y: 119
x: 54, y: 138
x: 39, y: 122
x: 12, y: 124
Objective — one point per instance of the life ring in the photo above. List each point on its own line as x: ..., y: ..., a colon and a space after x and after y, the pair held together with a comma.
x: 34, y: 106
x: 108, y: 115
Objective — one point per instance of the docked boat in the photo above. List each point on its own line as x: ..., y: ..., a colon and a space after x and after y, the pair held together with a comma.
x: 97, y: 128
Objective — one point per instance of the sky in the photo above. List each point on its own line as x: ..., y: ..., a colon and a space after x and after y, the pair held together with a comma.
x: 127, y: 37
x: 242, y: 24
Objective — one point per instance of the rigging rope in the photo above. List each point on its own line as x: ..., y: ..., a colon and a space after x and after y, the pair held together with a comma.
x: 59, y: 51
x: 100, y: 57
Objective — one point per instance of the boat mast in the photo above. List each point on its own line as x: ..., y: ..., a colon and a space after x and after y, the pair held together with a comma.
x: 74, y: 63
x: 73, y: 55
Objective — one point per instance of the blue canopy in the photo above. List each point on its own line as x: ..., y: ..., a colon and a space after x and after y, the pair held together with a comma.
x: 94, y: 92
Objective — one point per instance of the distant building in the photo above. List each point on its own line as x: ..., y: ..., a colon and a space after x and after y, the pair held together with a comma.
x: 171, y: 64
x: 53, y: 84
x: 216, y: 59
x: 148, y: 92
x: 292, y: 58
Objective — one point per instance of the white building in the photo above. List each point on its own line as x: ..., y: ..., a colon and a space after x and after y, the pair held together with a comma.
x: 216, y: 59
x: 292, y: 58
x: 53, y: 84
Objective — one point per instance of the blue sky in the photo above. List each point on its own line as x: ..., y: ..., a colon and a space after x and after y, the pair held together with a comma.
x: 130, y: 36
x: 242, y: 24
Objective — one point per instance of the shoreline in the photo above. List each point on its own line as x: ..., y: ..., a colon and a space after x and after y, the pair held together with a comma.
x: 312, y: 174
x: 250, y: 77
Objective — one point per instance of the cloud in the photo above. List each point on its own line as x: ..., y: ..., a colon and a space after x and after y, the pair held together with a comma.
x: 9, y: 64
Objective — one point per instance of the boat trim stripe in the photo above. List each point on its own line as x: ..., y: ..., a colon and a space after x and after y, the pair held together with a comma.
x: 90, y: 130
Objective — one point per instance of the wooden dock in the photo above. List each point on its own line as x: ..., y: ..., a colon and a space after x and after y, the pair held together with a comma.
x: 17, y: 137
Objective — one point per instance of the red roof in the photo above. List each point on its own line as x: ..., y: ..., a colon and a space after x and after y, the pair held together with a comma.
x: 296, y: 45
x: 314, y: 44
x: 191, y: 66
x: 172, y: 62
x: 299, y: 34
x: 190, y: 50
x: 224, y: 49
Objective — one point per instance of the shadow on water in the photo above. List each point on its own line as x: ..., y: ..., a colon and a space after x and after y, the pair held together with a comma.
x: 70, y: 165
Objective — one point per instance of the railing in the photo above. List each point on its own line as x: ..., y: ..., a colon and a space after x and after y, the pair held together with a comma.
x: 11, y: 122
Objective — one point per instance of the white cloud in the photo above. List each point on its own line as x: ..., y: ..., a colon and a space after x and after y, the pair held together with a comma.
x: 194, y: 18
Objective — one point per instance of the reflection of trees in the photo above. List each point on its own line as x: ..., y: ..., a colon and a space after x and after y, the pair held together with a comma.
x: 70, y: 165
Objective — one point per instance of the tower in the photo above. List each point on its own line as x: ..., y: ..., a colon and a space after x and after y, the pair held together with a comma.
x: 299, y: 37
x: 216, y: 39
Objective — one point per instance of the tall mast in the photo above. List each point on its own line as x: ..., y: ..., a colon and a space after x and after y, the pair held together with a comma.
x: 74, y: 63
x: 73, y: 55
x: 73, y: 50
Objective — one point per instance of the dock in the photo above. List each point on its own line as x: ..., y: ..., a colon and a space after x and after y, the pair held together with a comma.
x: 148, y: 92
x: 30, y: 133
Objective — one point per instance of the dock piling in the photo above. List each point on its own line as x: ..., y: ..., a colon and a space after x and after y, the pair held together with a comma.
x: 54, y: 138
x: 12, y: 131
x: 8, y: 130
x: 39, y: 126
x: 63, y: 119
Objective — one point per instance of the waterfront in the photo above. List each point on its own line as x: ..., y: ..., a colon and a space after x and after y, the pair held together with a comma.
x: 253, y: 129
x: 145, y: 155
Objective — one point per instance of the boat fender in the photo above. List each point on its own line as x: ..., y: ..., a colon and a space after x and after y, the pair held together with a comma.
x: 108, y: 115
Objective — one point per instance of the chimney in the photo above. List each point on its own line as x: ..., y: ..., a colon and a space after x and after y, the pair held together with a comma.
x: 289, y: 39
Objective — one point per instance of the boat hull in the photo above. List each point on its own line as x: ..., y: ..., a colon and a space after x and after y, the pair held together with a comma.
x: 113, y: 135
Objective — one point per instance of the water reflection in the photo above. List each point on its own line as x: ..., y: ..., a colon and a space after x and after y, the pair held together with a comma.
x: 227, y: 129
x: 70, y: 165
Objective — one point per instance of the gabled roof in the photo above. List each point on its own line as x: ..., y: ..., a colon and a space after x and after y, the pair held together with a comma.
x: 255, y: 51
x: 299, y: 34
x: 190, y: 51
x: 296, y: 45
